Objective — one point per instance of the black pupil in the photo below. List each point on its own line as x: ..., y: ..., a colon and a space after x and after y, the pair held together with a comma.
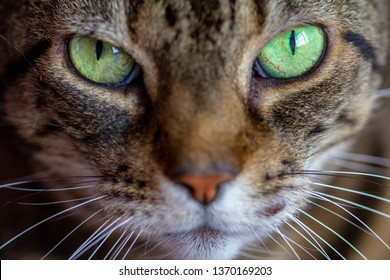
x: 292, y: 42
x: 99, y: 49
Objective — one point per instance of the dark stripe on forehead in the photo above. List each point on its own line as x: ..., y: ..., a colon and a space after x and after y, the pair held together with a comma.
x: 261, y: 11
x: 132, y: 7
x: 366, y: 50
x: 208, y: 13
x: 170, y: 15
x: 19, y: 66
x: 203, y: 8
x: 233, y: 12
x: 132, y: 11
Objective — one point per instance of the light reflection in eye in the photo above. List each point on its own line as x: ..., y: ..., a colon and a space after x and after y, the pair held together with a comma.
x: 301, y: 39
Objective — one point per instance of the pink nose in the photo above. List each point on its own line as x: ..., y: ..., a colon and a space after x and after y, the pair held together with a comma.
x: 203, y: 187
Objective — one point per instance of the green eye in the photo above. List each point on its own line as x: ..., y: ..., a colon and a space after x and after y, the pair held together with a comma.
x: 100, y: 62
x: 292, y: 53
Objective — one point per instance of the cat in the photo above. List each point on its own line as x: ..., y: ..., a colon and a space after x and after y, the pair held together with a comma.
x: 198, y: 127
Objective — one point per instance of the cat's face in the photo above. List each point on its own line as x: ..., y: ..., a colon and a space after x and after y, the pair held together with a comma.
x: 199, y: 150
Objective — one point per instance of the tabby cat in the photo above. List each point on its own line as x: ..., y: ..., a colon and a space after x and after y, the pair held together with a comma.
x: 193, y: 129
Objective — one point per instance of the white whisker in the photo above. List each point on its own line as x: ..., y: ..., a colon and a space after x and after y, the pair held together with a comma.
x: 302, y: 225
x: 147, y: 243
x: 352, y: 203
x: 53, y: 203
x: 364, y: 158
x: 122, y: 245
x: 70, y: 233
x: 48, y: 219
x: 100, y: 236
x: 337, y: 214
x: 158, y: 245
x: 114, y: 246
x: 107, y: 235
x: 247, y: 255
x: 303, y: 248
x: 333, y: 231
x: 281, y: 246
x: 354, y: 216
x: 358, y: 166
x: 259, y: 248
x: 23, y: 55
x: 132, y: 244
x: 318, y: 248
x: 168, y: 254
x: 384, y: 92
x: 288, y: 244
x: 331, y: 172
x: 45, y: 190
x: 12, y: 185
x: 88, y: 240
x: 352, y: 191
x: 261, y: 243
x: 141, y: 245
x: 311, y: 235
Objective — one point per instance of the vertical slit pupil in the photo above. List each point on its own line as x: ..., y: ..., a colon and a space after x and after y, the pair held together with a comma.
x: 99, y: 49
x: 292, y: 42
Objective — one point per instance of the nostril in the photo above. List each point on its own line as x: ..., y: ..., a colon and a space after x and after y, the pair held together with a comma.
x: 204, y: 187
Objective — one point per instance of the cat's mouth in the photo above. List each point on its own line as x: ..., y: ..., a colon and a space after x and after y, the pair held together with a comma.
x: 206, y: 243
x: 206, y: 232
x: 209, y: 232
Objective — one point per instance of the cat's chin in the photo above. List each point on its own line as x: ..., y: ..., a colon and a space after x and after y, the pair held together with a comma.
x: 205, y: 243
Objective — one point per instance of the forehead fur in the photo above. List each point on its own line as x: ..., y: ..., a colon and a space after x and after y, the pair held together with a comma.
x: 192, y: 34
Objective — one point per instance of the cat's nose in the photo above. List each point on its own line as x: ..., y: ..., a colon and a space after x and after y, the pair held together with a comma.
x: 204, y: 187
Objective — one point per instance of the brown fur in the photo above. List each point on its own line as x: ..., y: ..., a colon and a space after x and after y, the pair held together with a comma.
x: 198, y: 109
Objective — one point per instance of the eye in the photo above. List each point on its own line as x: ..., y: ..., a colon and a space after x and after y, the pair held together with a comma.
x: 292, y: 53
x: 101, y: 62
